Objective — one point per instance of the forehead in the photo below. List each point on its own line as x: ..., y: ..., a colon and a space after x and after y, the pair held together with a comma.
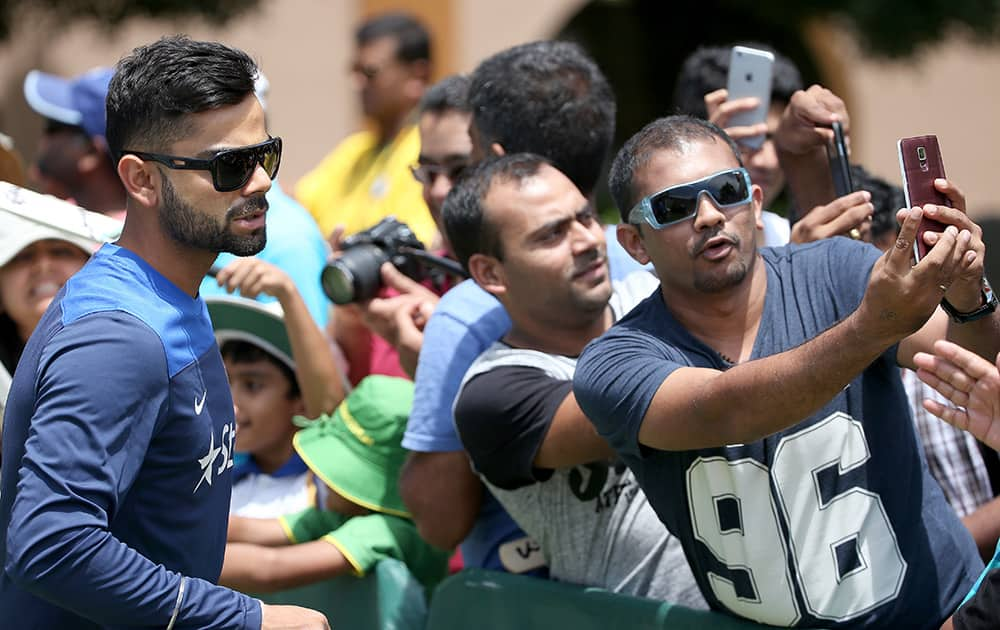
x: 688, y: 162
x: 444, y: 134
x: 51, y: 244
x: 259, y: 366
x: 378, y: 49
x: 521, y: 206
x: 225, y: 127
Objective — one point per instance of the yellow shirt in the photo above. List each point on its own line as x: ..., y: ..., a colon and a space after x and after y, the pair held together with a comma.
x: 357, y: 185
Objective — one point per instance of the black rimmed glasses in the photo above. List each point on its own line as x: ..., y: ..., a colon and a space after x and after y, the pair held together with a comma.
x: 231, y: 169
x: 427, y: 173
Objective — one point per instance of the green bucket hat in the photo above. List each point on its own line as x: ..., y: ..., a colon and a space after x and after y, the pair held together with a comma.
x: 241, y: 319
x: 357, y: 451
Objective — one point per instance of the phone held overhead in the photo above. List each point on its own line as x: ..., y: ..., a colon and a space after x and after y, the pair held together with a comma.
x: 750, y: 72
x: 920, y: 163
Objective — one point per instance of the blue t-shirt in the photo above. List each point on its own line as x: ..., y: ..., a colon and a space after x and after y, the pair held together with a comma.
x: 117, y: 460
x: 294, y: 245
x: 465, y: 323
x: 832, y: 522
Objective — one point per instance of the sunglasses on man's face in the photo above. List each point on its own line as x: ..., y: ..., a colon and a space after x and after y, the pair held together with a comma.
x: 678, y: 203
x: 427, y: 173
x: 231, y: 169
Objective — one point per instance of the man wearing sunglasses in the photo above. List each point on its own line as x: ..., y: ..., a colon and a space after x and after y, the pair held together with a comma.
x: 757, y: 398
x: 116, y: 489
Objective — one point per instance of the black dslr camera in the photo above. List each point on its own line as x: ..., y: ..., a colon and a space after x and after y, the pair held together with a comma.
x: 355, y: 275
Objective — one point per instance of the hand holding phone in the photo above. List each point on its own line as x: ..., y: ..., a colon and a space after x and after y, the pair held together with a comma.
x: 750, y: 76
x: 921, y: 163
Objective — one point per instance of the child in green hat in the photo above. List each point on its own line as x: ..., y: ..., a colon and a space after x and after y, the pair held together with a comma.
x: 360, y: 519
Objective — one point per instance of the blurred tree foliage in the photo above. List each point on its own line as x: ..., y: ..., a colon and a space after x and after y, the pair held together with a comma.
x: 111, y: 13
x: 892, y: 28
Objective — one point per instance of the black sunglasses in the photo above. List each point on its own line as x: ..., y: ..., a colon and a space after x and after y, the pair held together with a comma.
x: 231, y: 168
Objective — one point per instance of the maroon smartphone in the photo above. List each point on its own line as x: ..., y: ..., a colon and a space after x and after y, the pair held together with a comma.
x: 920, y: 162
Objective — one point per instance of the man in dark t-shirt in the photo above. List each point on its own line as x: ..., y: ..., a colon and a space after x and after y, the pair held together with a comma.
x: 757, y: 399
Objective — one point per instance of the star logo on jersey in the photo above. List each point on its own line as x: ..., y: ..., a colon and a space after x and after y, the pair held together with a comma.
x: 200, y: 404
x: 207, y: 461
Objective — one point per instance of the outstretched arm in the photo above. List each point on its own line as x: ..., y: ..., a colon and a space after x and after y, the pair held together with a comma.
x: 259, y: 569
x: 700, y: 407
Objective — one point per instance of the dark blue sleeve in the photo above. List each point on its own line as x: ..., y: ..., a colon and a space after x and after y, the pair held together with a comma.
x: 101, y: 390
x: 616, y: 378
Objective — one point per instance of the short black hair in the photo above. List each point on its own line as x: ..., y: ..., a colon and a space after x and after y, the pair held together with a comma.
x: 156, y: 86
x: 239, y: 351
x: 413, y: 42
x: 707, y: 69
x: 469, y: 232
x: 547, y: 98
x: 663, y: 134
x: 448, y: 94
x: 886, y: 199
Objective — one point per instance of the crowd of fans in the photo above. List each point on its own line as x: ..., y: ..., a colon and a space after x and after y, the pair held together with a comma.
x: 714, y: 402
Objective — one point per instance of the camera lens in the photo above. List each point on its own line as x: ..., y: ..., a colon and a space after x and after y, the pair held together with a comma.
x: 355, y: 276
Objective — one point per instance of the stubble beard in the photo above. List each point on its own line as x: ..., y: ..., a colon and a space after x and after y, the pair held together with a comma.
x: 733, y: 273
x: 197, y: 230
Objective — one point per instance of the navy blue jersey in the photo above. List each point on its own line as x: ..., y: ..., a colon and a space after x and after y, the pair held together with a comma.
x: 832, y: 522
x: 117, y: 460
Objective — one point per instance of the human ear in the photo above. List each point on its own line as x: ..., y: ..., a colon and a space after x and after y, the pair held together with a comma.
x: 488, y: 273
x: 631, y: 239
x: 140, y: 178
x: 758, y: 206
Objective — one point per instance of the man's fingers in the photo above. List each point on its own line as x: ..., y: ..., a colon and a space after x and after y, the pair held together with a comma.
x: 948, y: 380
x: 396, y: 279
x: 716, y: 98
x: 746, y: 131
x: 901, y: 254
x: 336, y: 236
x: 952, y: 415
x: 970, y: 363
x: 952, y: 192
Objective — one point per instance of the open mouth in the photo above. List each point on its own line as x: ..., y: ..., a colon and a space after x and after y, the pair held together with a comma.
x: 716, y: 248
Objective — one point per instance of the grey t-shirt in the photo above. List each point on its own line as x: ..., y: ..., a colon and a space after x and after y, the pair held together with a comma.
x: 592, y: 521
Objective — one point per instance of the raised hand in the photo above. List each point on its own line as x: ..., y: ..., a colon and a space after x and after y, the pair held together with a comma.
x: 805, y: 123
x: 850, y: 212
x: 970, y: 383
x: 720, y: 111
x: 253, y: 276
x: 902, y: 296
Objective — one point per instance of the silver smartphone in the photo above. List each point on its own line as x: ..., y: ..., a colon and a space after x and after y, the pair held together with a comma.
x: 750, y: 72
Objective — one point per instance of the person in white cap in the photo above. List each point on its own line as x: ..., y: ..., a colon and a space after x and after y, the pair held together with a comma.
x: 36, y: 260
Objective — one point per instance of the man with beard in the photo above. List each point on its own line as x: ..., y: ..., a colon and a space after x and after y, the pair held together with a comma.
x: 757, y: 397
x: 116, y: 489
